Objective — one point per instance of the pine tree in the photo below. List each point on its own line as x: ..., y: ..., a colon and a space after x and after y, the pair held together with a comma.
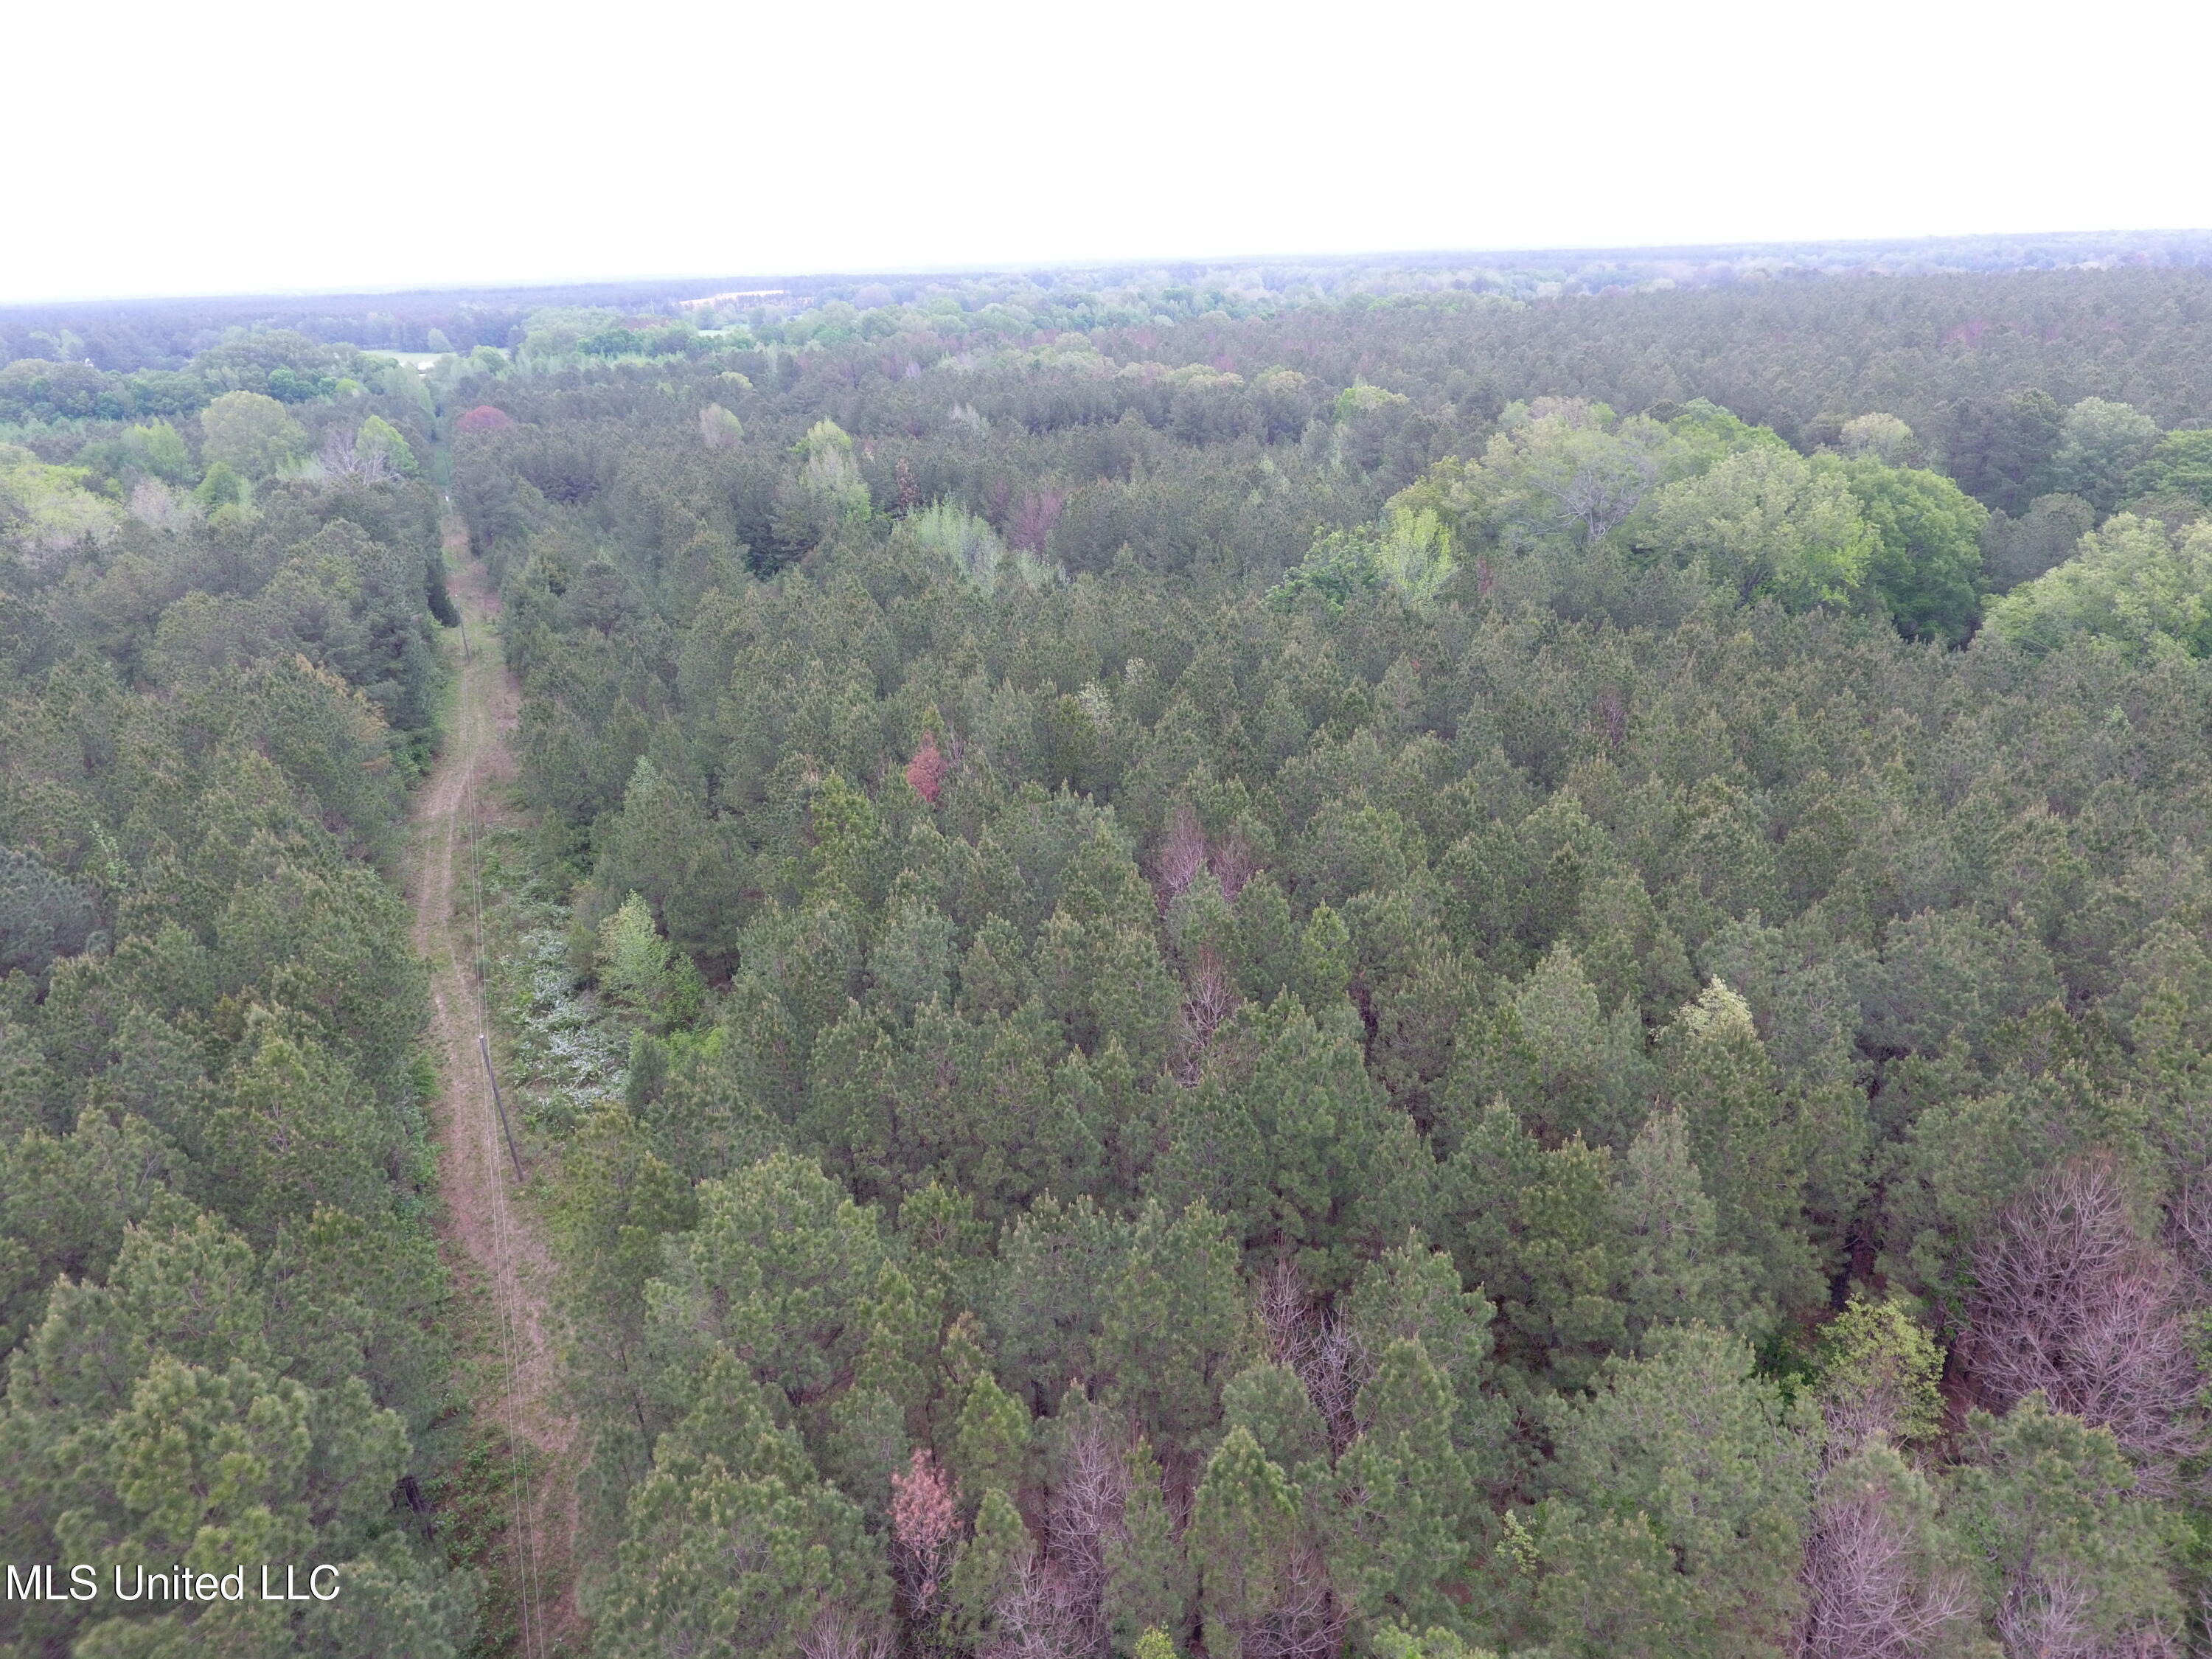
x: 1717, y: 1471
x: 1147, y: 1581
x: 1746, y: 1144
x: 1411, y: 1520
x: 2067, y: 1552
x: 1676, y: 1271
x: 990, y: 1444
x: 991, y: 1565
x: 1175, y: 1328
x: 1243, y: 1526
x: 732, y: 1541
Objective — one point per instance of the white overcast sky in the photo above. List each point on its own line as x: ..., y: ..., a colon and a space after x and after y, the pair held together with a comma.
x: 238, y: 145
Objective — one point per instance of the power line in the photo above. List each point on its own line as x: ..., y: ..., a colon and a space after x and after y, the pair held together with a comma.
x: 530, y: 1588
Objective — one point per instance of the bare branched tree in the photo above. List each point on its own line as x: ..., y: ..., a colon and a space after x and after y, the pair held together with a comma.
x: 1055, y: 1607
x: 2070, y: 1300
x: 1234, y: 863
x: 2047, y: 1616
x: 1287, y: 1316
x: 1307, y: 1621
x: 1867, y: 1596
x: 1182, y: 856
x: 1326, y: 1354
x: 2143, y: 1642
x: 1089, y: 1511
x: 1209, y: 998
x: 342, y: 458
x: 1606, y: 489
x: 1033, y: 518
x: 1043, y: 1616
x: 838, y: 1633
x: 2188, y: 1230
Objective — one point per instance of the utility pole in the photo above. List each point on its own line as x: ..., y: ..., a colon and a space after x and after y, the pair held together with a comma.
x: 484, y: 1047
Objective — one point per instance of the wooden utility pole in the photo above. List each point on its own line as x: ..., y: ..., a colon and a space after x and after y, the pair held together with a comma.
x: 484, y: 1047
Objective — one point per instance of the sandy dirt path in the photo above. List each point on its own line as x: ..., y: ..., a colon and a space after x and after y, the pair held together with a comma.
x: 489, y: 1237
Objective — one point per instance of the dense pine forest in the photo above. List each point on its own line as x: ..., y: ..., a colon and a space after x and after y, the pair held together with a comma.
x: 1246, y: 968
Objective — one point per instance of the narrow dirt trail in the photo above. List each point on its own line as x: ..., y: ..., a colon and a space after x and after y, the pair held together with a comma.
x: 488, y: 1234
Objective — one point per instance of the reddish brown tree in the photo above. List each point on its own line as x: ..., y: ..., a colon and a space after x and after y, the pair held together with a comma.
x: 927, y: 770
x: 1034, y: 517
x: 484, y: 418
x: 925, y: 1532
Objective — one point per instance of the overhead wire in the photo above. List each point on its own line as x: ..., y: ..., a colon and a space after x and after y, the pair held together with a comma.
x: 530, y: 1585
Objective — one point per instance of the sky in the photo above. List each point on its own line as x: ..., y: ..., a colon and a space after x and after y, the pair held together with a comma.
x: 241, y: 146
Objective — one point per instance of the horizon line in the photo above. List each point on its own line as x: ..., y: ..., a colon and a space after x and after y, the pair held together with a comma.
x: 984, y: 269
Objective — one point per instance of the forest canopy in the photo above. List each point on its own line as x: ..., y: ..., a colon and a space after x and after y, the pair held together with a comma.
x: 1386, y: 973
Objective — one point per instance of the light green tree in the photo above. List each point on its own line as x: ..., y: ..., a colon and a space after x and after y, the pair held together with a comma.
x: 378, y: 437
x: 642, y: 972
x: 1413, y: 556
x: 254, y: 434
x: 1879, y: 1370
x: 2130, y: 585
x: 718, y: 428
x: 1928, y: 565
x: 831, y: 474
x: 1575, y: 473
x: 2181, y: 465
x: 972, y: 548
x: 2099, y: 443
x: 1885, y: 437
x: 223, y: 486
x: 46, y: 510
x: 1767, y: 521
x: 158, y: 449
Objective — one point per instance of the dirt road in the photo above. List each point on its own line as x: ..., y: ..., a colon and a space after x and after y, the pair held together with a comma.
x: 490, y: 1242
